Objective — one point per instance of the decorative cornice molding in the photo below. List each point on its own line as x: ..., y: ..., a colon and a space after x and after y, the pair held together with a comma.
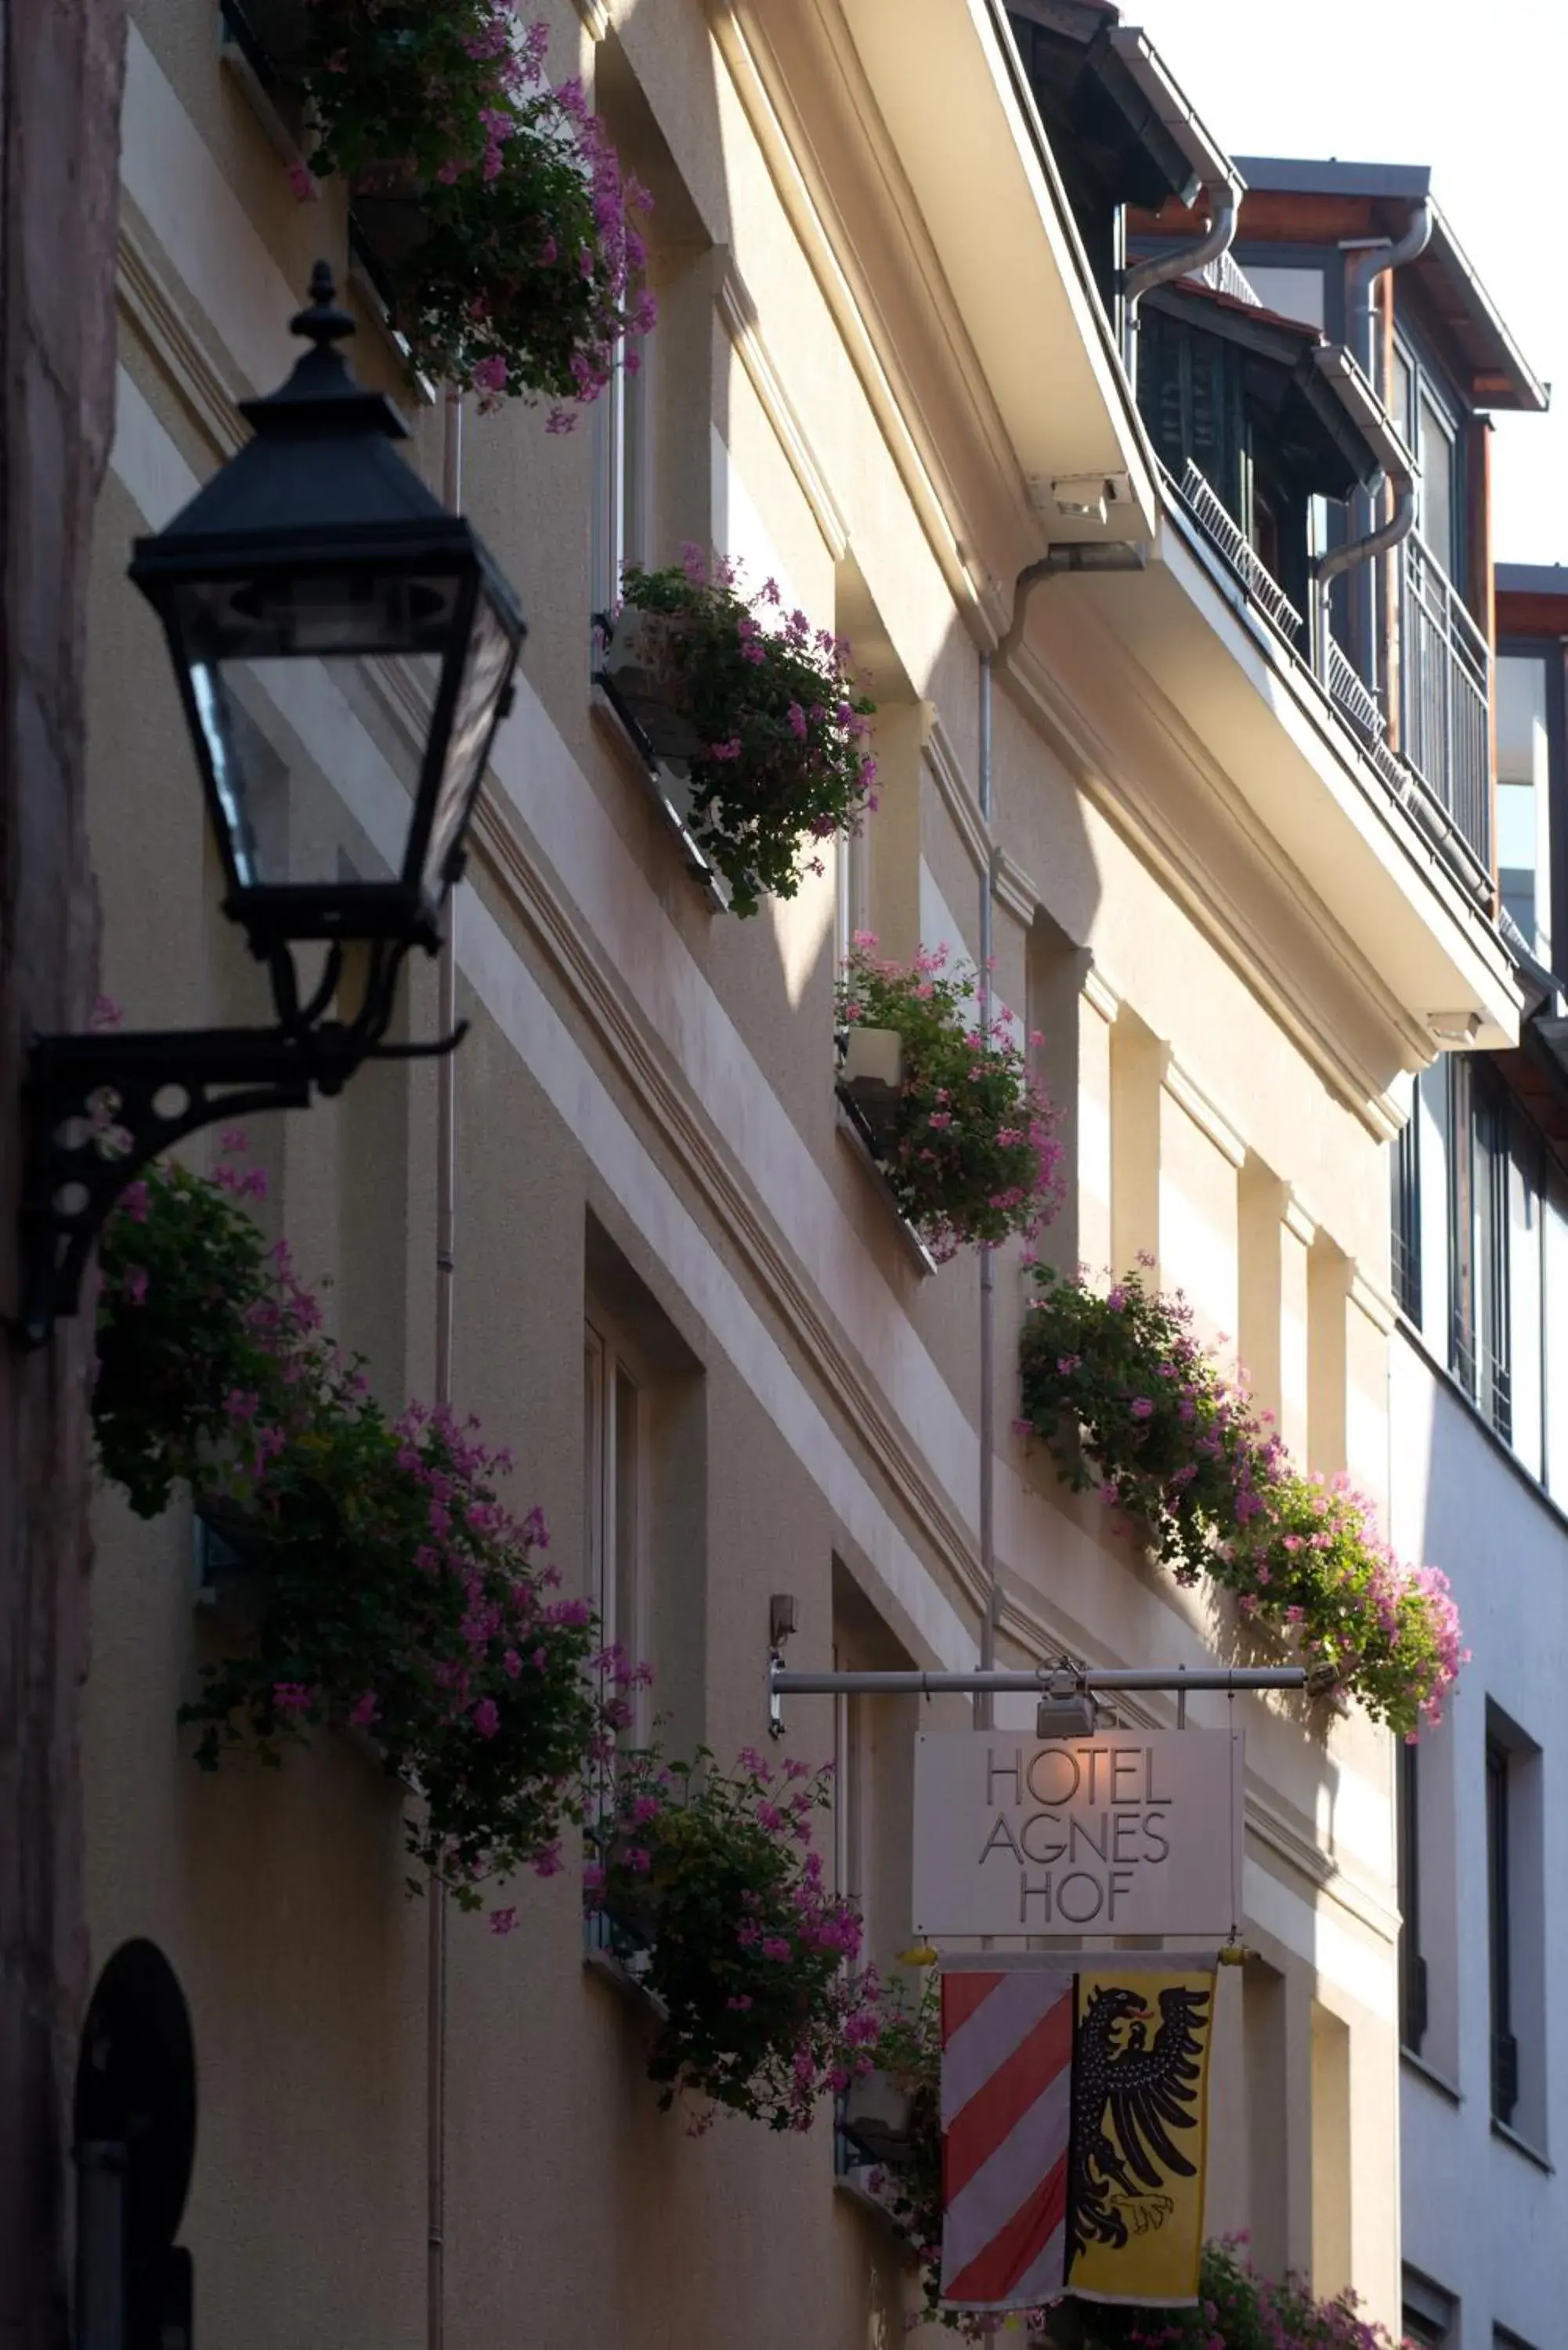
x: 812, y: 214
x: 1099, y: 994
x: 149, y: 303
x: 1190, y: 1097
x: 1297, y: 1221
x: 1011, y: 888
x: 739, y: 313
x: 1015, y: 891
x: 1373, y: 1300
x: 963, y: 806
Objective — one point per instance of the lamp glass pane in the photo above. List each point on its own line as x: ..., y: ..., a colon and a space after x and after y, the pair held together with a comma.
x: 485, y: 671
x: 302, y: 687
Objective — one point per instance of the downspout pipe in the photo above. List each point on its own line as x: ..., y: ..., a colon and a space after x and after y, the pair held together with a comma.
x: 1163, y: 268
x: 1398, y: 472
x: 445, y: 1270
x: 1369, y: 263
x: 1056, y: 563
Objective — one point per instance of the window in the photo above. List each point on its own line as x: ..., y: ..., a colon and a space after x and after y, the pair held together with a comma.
x: 1405, y: 1167
x: 1296, y: 292
x: 622, y: 508
x: 1430, y: 2317
x: 613, y: 1502
x: 1422, y: 415
x: 1523, y: 769
x: 1479, y: 1339
x: 1499, y: 1931
x: 1412, y: 1965
x: 1434, y: 453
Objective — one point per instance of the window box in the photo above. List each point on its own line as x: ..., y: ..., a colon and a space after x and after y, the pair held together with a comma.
x: 876, y: 2116
x: 871, y: 1077
x: 642, y: 678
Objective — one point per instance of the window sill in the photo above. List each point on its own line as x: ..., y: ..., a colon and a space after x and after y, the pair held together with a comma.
x: 850, y: 1133
x: 1505, y: 2136
x: 620, y: 1978
x: 1434, y: 2079
x: 650, y: 774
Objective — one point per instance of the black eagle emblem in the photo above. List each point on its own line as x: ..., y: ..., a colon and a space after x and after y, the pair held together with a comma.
x: 1143, y: 2093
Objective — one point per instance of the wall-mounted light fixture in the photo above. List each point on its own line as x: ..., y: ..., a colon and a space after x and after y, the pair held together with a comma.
x: 344, y: 648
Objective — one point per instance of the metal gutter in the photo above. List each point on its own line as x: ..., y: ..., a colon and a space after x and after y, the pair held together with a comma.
x: 1212, y: 167
x: 1365, y: 410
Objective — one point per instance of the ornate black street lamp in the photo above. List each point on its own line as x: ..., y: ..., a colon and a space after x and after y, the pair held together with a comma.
x: 344, y: 648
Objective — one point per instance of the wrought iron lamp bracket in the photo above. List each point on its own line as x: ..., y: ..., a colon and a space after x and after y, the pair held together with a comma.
x: 97, y: 1107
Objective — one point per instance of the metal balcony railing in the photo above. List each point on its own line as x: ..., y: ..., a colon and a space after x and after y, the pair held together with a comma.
x: 1445, y: 695
x: 1355, y: 701
x: 1219, y: 525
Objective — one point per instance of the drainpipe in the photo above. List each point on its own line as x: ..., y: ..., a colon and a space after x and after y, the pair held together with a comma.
x: 1163, y: 268
x: 446, y: 1265
x: 984, y: 1703
x: 1367, y: 264
x: 1054, y: 564
x: 1384, y: 537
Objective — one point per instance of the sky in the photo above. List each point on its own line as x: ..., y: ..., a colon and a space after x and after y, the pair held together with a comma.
x: 1479, y: 92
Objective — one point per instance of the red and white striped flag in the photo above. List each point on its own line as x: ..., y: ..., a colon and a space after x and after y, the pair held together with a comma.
x: 1007, y: 2113
x: 1073, y: 2100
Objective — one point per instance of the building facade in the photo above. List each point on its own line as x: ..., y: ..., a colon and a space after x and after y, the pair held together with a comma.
x: 901, y: 367
x: 1479, y: 1399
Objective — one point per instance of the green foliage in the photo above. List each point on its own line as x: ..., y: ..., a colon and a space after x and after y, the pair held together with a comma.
x: 972, y: 1159
x: 1129, y: 1404
x: 514, y: 274
x: 709, y: 1887
x: 401, y: 1597
x: 779, y: 717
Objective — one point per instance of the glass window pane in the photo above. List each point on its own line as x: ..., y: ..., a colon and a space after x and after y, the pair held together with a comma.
x: 627, y: 1510
x: 1437, y: 460
x: 1290, y: 293
x: 1399, y: 395
x: 1523, y: 802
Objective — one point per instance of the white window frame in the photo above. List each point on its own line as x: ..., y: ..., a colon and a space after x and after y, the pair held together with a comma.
x: 615, y: 1510
x: 622, y: 503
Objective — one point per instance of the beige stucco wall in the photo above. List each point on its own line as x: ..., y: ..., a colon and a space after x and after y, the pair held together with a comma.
x: 645, y: 1070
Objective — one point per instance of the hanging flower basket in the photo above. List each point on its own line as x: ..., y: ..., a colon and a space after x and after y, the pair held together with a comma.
x: 761, y: 707
x: 701, y: 1875
x: 962, y: 1131
x: 492, y: 204
x: 1131, y: 1407
x: 397, y: 1595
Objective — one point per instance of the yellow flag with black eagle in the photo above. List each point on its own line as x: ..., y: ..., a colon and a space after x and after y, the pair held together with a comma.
x: 1074, y: 2127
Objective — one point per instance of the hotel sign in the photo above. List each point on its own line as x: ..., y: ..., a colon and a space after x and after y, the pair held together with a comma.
x: 1130, y: 1832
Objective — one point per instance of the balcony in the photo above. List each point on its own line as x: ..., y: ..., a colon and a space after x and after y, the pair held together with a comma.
x: 1442, y: 769
x: 1224, y: 533
x: 1445, y: 697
